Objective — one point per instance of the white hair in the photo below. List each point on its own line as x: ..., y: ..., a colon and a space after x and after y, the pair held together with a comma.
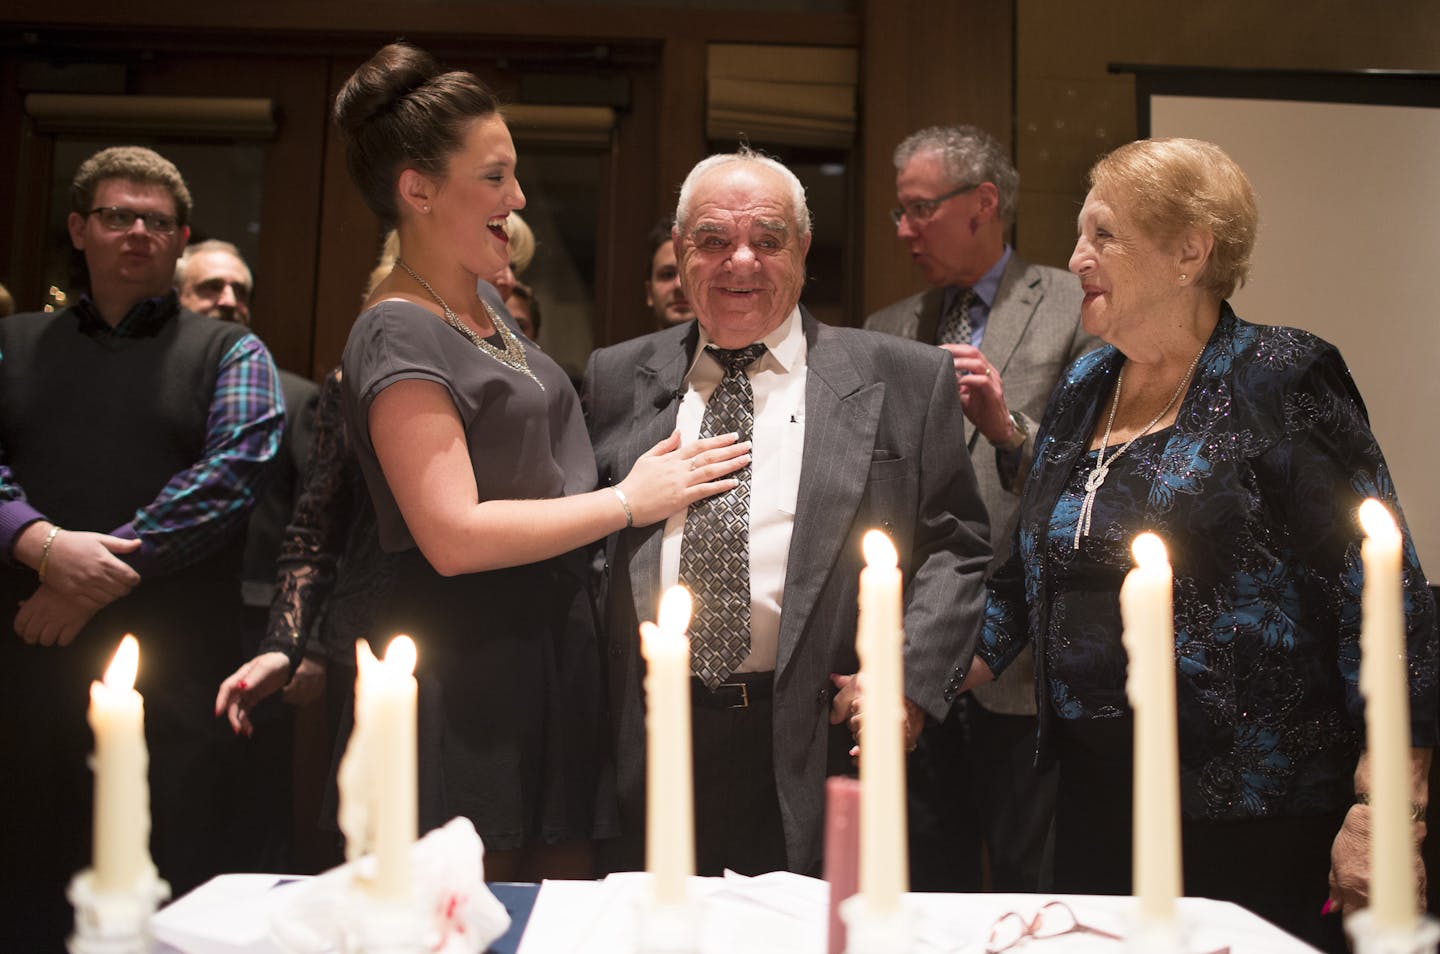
x: 970, y: 156
x: 798, y: 206
x: 210, y: 245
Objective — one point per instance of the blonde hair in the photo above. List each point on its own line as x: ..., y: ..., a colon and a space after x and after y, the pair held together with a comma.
x: 522, y: 242
x: 1168, y: 186
x: 389, y: 251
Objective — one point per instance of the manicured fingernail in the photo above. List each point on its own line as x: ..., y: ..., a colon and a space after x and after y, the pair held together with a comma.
x: 1329, y: 906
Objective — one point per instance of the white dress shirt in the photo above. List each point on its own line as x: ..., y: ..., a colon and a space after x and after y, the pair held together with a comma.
x: 778, y: 383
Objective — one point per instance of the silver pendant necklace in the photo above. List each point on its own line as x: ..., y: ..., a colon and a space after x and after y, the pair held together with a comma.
x: 512, y: 355
x: 1097, y: 476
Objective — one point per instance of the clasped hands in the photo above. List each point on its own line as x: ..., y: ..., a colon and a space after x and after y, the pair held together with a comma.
x: 1350, y: 852
x: 83, y: 575
x: 1350, y: 862
x: 846, y: 707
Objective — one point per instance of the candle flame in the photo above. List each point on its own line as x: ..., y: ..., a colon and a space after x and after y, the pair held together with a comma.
x: 120, y: 674
x: 879, y: 551
x: 1376, y: 519
x: 1149, y: 551
x: 400, y: 654
x: 676, y: 607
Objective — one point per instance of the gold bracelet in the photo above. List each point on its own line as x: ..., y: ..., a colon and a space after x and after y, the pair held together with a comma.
x: 1417, y: 811
x: 45, y: 551
x: 629, y: 517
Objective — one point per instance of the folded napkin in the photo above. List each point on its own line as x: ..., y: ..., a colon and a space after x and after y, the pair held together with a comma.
x: 457, y: 912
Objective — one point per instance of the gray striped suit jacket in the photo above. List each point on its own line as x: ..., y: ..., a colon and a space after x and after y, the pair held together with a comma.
x: 1032, y: 335
x: 874, y: 405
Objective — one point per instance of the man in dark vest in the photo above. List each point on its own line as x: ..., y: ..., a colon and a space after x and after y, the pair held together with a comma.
x: 133, y: 434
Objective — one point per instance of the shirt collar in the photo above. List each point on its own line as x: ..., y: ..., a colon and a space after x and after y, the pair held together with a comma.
x: 988, y: 285
x: 785, y: 344
x: 145, y: 318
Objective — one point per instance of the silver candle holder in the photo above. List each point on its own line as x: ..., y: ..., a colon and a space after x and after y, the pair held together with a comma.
x: 114, y: 922
x: 1371, y: 938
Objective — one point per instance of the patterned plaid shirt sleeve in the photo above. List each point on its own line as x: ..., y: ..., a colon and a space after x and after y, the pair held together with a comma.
x: 9, y: 489
x: 200, y: 507
x: 16, y: 513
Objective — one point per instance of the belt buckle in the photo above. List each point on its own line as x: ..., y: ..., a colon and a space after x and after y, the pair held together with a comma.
x: 744, y: 702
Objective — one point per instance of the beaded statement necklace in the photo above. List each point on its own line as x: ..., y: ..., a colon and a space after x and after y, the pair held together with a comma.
x: 512, y: 355
x: 1102, y: 466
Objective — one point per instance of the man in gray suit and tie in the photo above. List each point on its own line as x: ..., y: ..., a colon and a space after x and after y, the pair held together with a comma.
x: 1011, y: 329
x: 847, y: 429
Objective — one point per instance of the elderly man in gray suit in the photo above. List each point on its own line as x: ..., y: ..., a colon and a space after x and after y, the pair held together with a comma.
x: 849, y: 433
x: 1011, y: 328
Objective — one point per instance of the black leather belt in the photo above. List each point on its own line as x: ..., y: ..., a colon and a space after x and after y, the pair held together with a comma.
x: 739, y: 691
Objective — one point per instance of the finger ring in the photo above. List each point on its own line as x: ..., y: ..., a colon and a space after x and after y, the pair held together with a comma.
x: 987, y: 372
x: 692, y: 463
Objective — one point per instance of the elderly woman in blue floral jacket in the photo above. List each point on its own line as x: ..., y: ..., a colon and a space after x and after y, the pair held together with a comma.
x: 1247, y: 448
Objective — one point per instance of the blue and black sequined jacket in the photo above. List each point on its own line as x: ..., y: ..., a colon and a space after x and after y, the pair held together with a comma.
x: 1256, y: 495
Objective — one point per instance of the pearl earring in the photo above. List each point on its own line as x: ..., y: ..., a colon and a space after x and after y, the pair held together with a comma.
x: 1183, y: 276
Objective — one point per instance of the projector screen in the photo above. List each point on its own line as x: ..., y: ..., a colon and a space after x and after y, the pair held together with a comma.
x: 1349, y: 249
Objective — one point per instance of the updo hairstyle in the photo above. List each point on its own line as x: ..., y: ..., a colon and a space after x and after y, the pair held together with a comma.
x: 401, y: 111
x: 1166, y: 186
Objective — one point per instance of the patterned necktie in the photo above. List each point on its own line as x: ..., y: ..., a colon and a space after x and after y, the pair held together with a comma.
x: 955, y: 327
x: 715, y: 551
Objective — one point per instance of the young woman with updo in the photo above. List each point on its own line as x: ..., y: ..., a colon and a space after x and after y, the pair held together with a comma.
x: 475, y: 453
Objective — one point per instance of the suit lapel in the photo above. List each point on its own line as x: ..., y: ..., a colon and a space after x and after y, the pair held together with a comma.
x: 842, y: 414
x: 657, y: 382
x: 1016, y: 301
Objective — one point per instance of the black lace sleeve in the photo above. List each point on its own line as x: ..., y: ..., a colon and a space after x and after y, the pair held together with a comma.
x: 315, y: 538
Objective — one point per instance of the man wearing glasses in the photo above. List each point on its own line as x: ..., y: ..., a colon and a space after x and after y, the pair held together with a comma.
x: 133, y: 433
x: 1011, y: 328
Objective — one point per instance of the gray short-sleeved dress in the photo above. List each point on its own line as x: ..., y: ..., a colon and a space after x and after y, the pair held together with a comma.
x: 512, y: 728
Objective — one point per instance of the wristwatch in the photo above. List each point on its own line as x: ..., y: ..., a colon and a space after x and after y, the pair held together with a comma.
x: 1017, y: 437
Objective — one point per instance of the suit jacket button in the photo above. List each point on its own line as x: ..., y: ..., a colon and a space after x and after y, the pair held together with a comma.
x: 823, y: 696
x: 616, y: 652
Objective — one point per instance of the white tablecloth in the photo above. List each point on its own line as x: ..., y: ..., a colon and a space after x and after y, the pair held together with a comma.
x: 787, y: 914
x: 773, y: 914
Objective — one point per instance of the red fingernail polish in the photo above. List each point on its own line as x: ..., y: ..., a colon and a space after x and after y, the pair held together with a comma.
x: 1329, y: 906
x: 242, y: 686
